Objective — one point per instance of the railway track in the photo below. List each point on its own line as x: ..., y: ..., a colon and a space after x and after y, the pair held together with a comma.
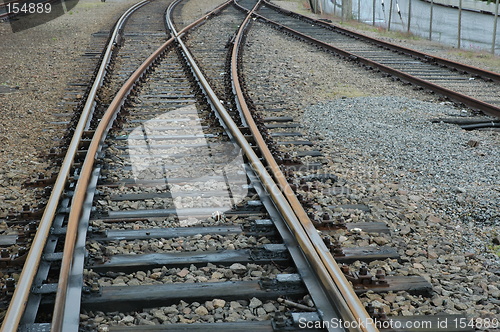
x: 471, y: 86
x: 229, y: 242
x: 143, y: 184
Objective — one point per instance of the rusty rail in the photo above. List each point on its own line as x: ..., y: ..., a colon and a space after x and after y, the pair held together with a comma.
x: 341, y: 291
x: 86, y: 173
x: 308, y: 242
x: 23, y: 287
x: 83, y: 181
x: 202, y: 19
x: 335, y: 283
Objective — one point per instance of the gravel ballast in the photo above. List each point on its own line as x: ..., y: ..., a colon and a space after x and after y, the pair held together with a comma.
x: 434, y: 190
x: 434, y: 184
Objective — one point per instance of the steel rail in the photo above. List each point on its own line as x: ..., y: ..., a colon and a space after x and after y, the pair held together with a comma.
x: 25, y: 282
x: 3, y: 4
x: 467, y: 100
x: 86, y: 173
x: 342, y: 291
x: 423, y: 56
x: 308, y: 238
x: 98, y: 139
x: 83, y: 181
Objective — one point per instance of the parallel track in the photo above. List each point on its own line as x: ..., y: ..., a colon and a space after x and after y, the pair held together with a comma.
x: 474, y: 87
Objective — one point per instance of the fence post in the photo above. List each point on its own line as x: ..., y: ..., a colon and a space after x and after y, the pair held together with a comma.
x: 494, y: 29
x: 459, y: 22
x: 342, y: 4
x: 430, y: 20
x: 409, y: 15
x: 390, y: 17
x: 312, y: 3
x: 373, y: 17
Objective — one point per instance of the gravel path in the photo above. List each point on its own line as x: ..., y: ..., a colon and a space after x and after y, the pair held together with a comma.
x: 435, y: 159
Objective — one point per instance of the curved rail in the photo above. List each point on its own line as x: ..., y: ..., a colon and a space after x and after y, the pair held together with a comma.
x: 442, y: 61
x: 201, y: 20
x: 310, y: 242
x: 23, y: 287
x: 86, y: 172
x: 84, y: 179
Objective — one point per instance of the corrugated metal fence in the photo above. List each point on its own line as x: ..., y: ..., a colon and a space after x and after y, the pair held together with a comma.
x: 468, y: 24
